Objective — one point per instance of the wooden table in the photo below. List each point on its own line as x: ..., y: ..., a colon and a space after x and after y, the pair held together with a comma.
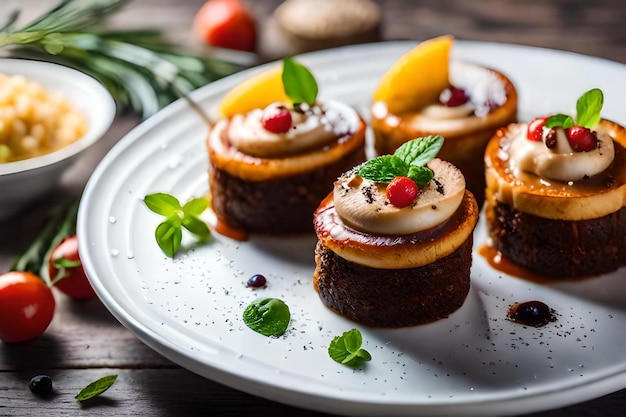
x: 85, y: 342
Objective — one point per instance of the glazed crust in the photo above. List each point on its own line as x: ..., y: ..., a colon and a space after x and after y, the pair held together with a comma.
x: 392, y: 298
x: 395, y: 252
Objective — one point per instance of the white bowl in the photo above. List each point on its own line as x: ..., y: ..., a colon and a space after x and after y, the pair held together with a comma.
x: 22, y: 182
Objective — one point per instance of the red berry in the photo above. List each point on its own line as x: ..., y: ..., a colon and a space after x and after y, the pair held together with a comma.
x: 581, y: 139
x: 454, y: 97
x: 401, y: 191
x: 535, y: 129
x: 277, y: 120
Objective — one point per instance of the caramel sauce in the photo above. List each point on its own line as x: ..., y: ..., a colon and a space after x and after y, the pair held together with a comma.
x: 500, y: 263
x: 225, y: 229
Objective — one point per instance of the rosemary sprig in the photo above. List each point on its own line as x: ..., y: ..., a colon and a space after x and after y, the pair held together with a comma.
x: 142, y: 70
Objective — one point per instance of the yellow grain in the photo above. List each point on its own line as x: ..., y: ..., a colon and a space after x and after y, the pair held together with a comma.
x: 35, y: 121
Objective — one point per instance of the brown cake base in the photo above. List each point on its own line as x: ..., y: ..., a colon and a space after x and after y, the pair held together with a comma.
x: 393, y: 298
x: 276, y: 206
x: 559, y: 248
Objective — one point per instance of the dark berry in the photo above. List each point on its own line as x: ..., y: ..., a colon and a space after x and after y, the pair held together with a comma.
x: 277, y: 120
x: 535, y: 129
x: 256, y: 281
x: 41, y: 385
x: 531, y: 313
x: 454, y: 97
x: 551, y: 139
x: 401, y: 191
x: 581, y: 139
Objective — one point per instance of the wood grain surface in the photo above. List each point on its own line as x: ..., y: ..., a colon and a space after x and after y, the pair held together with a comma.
x: 85, y: 342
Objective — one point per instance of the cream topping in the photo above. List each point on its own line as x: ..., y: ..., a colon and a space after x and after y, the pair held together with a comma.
x: 313, y: 128
x: 560, y: 163
x: 363, y: 205
x: 485, y: 89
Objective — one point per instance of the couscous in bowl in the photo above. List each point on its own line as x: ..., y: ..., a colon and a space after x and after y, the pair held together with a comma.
x: 49, y: 115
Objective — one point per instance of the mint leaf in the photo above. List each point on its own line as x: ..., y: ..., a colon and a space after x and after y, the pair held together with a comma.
x: 383, y: 169
x: 268, y: 316
x: 196, y: 206
x: 96, y: 388
x: 168, y: 233
x: 162, y: 203
x: 559, y: 120
x: 420, y: 175
x: 588, y: 108
x: 298, y: 82
x: 346, y: 349
x: 408, y: 160
x: 420, y: 151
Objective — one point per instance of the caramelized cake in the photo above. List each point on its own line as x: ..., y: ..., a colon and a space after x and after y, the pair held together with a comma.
x: 389, y: 255
x: 556, y: 192
x: 270, y: 166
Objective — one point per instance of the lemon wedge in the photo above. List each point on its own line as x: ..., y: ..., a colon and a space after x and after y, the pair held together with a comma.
x: 417, y: 78
x: 256, y: 92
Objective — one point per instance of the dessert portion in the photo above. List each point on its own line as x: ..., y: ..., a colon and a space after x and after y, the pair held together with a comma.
x: 556, y: 192
x: 395, y: 239
x: 276, y: 149
x: 425, y: 93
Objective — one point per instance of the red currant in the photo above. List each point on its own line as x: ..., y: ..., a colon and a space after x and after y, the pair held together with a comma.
x: 277, y: 120
x: 535, y: 129
x: 401, y: 191
x: 454, y: 97
x: 581, y: 139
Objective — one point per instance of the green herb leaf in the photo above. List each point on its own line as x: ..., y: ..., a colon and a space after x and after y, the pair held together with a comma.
x: 268, y: 316
x: 420, y: 175
x: 588, y: 108
x: 96, y: 388
x: 420, y: 151
x: 383, y: 169
x: 162, y: 203
x: 346, y: 349
x: 298, y: 82
x: 196, y: 206
x: 559, y: 120
x: 408, y: 160
x: 588, y: 112
x: 197, y: 227
x: 169, y: 234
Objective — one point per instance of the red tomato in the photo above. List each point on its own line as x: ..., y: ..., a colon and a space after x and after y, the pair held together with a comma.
x: 74, y: 281
x: 26, y: 306
x: 227, y: 24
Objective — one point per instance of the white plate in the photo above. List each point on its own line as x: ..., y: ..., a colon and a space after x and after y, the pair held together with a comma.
x: 475, y: 362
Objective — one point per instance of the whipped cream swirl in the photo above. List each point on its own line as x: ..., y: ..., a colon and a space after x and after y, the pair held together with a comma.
x: 560, y: 163
x: 363, y: 205
x: 314, y: 128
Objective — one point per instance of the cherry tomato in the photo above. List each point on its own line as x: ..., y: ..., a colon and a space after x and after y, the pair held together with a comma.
x: 26, y: 306
x: 227, y: 24
x: 66, y: 261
